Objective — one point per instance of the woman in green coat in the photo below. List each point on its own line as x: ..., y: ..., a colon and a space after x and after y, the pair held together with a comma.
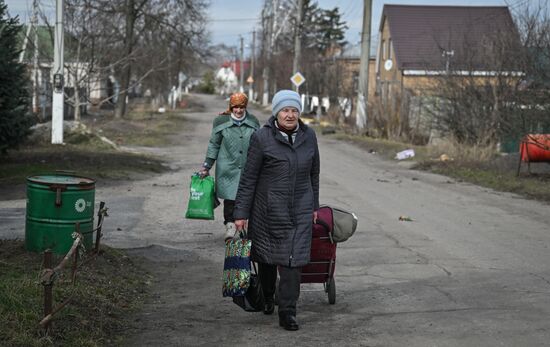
x: 227, y: 148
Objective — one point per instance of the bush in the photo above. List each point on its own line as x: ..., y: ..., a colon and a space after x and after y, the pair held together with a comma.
x: 15, y: 119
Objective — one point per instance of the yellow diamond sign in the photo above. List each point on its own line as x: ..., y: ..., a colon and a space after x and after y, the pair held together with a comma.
x: 297, y: 79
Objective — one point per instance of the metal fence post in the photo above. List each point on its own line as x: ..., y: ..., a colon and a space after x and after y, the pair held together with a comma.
x: 48, y: 287
x: 100, y: 215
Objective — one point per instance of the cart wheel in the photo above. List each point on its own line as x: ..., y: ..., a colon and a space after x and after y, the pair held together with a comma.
x: 331, y: 289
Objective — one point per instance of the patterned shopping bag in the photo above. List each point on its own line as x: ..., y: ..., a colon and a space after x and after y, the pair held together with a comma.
x: 236, y: 267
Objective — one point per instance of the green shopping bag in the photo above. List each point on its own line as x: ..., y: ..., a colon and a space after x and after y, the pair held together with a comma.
x: 202, y: 197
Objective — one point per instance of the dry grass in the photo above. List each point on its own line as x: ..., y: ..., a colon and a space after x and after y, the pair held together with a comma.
x: 384, y: 148
x: 144, y: 128
x: 461, y: 152
x: 104, y: 164
x: 107, y: 289
x: 479, y: 165
x: 87, y: 155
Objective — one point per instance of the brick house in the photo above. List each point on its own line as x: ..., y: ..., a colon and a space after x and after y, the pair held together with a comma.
x: 419, y: 44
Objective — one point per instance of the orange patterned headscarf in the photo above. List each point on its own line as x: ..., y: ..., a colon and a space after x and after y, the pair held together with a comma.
x: 237, y: 99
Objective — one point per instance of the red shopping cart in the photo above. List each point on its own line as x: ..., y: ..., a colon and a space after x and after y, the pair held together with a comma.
x: 323, y: 255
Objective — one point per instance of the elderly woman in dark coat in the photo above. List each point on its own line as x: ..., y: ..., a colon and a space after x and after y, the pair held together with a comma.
x: 278, y: 197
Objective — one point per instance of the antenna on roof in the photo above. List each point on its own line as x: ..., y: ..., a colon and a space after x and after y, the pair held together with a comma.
x: 447, y: 55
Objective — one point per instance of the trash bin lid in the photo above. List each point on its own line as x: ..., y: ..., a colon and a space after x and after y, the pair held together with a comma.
x: 61, y: 180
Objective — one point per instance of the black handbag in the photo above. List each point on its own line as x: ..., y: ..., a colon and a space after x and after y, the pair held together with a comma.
x: 253, y: 299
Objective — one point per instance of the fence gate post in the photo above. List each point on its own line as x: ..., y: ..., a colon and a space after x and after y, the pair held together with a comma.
x: 100, y: 215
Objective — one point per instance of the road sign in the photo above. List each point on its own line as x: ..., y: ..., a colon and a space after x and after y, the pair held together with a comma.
x: 297, y: 79
x: 181, y: 77
x: 249, y: 79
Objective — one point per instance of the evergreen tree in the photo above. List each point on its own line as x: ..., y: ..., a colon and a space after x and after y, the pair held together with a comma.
x: 15, y: 119
x: 331, y: 29
x: 310, y: 26
x: 321, y: 29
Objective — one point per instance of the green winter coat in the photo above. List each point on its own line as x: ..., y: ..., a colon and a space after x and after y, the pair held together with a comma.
x: 228, y: 147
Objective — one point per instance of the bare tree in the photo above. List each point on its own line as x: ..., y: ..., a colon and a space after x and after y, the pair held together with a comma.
x: 135, y: 43
x: 508, y: 100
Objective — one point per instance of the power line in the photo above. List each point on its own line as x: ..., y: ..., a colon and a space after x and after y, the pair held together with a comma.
x: 233, y: 20
x: 348, y: 7
x: 233, y: 35
x: 352, y: 11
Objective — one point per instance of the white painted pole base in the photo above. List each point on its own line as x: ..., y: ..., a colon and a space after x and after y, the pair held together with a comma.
x: 361, y: 119
x: 57, y: 118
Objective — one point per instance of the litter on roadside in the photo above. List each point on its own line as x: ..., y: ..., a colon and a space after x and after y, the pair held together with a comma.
x: 408, y: 153
x: 405, y: 219
x: 307, y: 120
x: 445, y: 157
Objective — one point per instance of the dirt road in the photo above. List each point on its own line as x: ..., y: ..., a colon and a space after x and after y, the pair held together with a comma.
x: 471, y: 269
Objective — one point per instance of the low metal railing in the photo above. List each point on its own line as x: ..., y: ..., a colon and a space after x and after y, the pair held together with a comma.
x: 50, y: 274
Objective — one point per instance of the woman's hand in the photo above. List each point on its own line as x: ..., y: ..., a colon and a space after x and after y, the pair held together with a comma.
x: 203, y: 172
x: 314, y: 216
x: 241, y: 224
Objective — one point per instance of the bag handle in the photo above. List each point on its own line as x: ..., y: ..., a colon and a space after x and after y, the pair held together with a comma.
x: 243, y: 234
x: 254, y: 266
x: 327, y: 228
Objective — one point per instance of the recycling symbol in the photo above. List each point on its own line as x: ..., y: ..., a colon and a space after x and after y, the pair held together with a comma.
x: 80, y: 205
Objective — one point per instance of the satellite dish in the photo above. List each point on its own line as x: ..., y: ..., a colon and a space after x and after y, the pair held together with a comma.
x: 388, y: 65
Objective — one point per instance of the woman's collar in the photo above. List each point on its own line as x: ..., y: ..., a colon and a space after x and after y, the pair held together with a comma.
x: 234, y: 117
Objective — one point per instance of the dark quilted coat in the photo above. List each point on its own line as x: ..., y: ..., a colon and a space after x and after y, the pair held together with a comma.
x: 278, y: 192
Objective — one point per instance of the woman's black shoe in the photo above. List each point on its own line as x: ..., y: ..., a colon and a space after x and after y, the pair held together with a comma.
x: 288, y: 322
x: 269, y: 307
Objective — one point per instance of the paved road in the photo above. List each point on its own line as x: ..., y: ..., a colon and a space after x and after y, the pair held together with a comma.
x: 471, y: 269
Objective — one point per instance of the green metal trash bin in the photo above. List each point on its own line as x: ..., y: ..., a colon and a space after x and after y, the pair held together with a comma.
x: 55, y: 203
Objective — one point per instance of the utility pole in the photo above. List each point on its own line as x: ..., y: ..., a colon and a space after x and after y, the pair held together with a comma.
x: 363, y: 93
x: 298, y: 41
x: 252, y: 61
x: 58, y: 83
x: 242, y: 66
x: 268, y: 29
x: 34, y: 22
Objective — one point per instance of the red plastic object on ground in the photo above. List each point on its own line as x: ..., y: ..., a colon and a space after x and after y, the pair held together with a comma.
x: 535, y: 148
x: 323, y: 255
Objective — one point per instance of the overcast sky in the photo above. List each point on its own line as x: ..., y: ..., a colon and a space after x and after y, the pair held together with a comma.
x: 229, y: 19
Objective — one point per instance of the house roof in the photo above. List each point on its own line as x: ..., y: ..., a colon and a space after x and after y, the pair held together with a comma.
x: 45, y: 43
x: 422, y: 34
